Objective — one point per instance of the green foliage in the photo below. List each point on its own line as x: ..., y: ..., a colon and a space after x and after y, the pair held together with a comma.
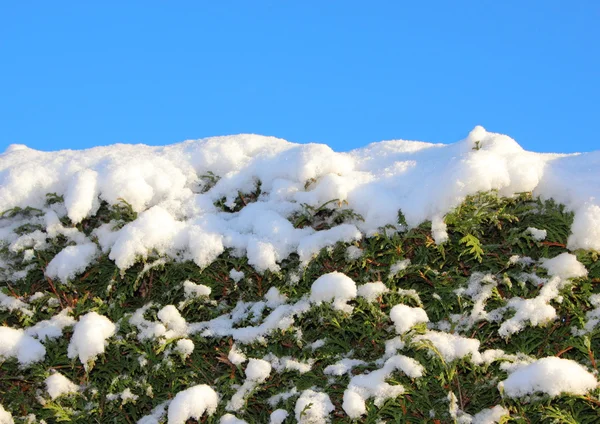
x: 484, y: 233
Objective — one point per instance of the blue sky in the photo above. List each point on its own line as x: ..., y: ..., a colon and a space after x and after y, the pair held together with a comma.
x: 344, y: 73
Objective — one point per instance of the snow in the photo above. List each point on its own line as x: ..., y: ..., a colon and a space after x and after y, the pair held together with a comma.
x: 58, y: 385
x: 274, y: 298
x: 236, y: 356
x: 184, y: 347
x: 90, y: 337
x: 537, y: 234
x: 17, y: 344
x: 490, y: 416
x: 71, y: 261
x: 278, y: 416
x: 13, y: 304
x: 257, y: 371
x: 5, y: 416
x: 405, y: 317
x: 398, y: 267
x: 192, y: 290
x: 553, y: 376
x: 371, y: 291
x: 231, y: 419
x: 376, y: 181
x: 564, y: 266
x: 336, y: 287
x: 192, y: 403
x: 51, y: 328
x: 156, y: 415
x: 236, y: 276
x: 287, y: 363
x: 175, y: 324
x: 374, y: 385
x: 313, y: 408
x: 452, y: 346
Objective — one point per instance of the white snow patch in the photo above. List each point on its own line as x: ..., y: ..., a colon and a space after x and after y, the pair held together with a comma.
x: 58, y: 385
x: 564, y: 266
x: 405, y: 317
x: 313, y: 408
x: 336, y: 287
x: 192, y: 403
x: 90, y: 337
x: 537, y: 234
x: 184, y: 347
x: 192, y: 290
x: 278, y: 416
x: 17, y: 344
x: 550, y: 375
x: 373, y: 385
x: 235, y: 275
x: 71, y: 261
x: 371, y: 291
x: 5, y: 416
x: 491, y: 415
x: 398, y: 267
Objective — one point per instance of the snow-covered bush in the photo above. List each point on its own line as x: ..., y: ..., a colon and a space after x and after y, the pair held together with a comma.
x: 247, y: 279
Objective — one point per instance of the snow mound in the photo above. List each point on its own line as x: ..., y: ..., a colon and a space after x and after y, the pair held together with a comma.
x: 550, y: 375
x: 177, y: 214
x: 192, y: 403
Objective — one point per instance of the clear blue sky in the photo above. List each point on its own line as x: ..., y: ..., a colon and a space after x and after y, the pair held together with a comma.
x: 78, y: 74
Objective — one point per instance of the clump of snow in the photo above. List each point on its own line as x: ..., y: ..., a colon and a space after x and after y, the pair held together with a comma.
x: 90, y: 337
x: 235, y: 275
x: 184, y: 347
x: 58, y: 385
x: 398, y: 266
x: 353, y: 253
x: 592, y: 317
x: 374, y: 385
x: 52, y: 328
x: 175, y: 324
x: 13, y: 304
x: 275, y: 298
x: 371, y: 291
x: 452, y: 346
x: 236, y: 356
x: 192, y: 403
x: 537, y: 311
x: 278, y: 416
x: 5, y: 416
x: 17, y: 344
x: 537, y: 234
x: 275, y: 399
x: 336, y: 287
x: 439, y: 229
x: 156, y: 415
x: 313, y: 408
x: 287, y: 363
x: 553, y: 376
x: 71, y: 261
x: 490, y: 416
x: 257, y: 371
x: 405, y: 317
x: 192, y: 290
x: 342, y: 366
x: 564, y: 266
x: 317, y: 344
x: 231, y: 419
